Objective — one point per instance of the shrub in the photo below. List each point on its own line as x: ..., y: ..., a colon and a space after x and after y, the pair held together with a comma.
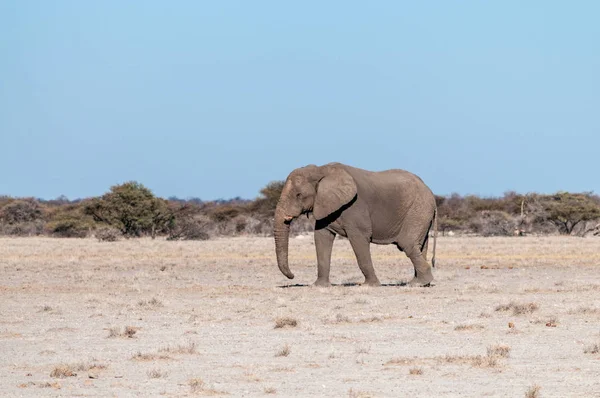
x: 68, y: 221
x: 131, y: 208
x: 33, y: 228
x: 108, y: 234
x: 569, y: 210
x: 21, y: 211
x: 494, y: 223
x: 188, y: 229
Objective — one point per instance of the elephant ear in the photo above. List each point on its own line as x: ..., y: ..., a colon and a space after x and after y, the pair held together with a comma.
x: 335, y: 190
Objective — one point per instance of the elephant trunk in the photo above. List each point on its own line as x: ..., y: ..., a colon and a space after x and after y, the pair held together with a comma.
x: 281, y: 231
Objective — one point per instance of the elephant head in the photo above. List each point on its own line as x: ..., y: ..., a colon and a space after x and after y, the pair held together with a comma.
x: 321, y: 190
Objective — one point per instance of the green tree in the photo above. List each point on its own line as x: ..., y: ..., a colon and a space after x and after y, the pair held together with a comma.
x: 269, y: 196
x: 132, y: 208
x: 567, y: 210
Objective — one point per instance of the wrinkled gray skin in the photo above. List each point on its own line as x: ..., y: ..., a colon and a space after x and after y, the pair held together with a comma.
x: 387, y: 207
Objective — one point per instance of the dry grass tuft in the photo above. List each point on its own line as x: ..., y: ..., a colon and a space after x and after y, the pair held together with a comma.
x: 128, y: 332
x: 415, y: 371
x: 518, y: 309
x: 281, y: 323
x: 585, y: 311
x: 339, y: 318
x: 284, y: 351
x: 499, y: 350
x: 188, y: 348
x: 533, y: 391
x: 401, y: 361
x: 153, y: 303
x: 371, y: 319
x: 156, y: 374
x: 592, y: 349
x: 138, y: 356
x: 270, y: 390
x: 462, y: 328
x: 63, y: 371
x: 56, y: 385
x: 68, y: 370
x: 196, y: 385
x: 491, y: 360
x: 359, y: 394
x: 487, y: 361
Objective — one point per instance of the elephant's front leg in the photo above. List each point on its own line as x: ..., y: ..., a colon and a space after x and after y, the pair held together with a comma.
x: 323, y: 244
x: 362, y: 250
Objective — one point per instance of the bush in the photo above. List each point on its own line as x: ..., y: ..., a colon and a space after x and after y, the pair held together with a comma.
x: 68, y: 221
x: 131, y: 208
x: 68, y: 228
x: 494, y: 223
x: 33, y: 228
x: 190, y: 228
x: 108, y: 234
x: 21, y: 211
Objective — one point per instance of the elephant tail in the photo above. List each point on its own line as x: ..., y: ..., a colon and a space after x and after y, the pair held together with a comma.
x: 435, y: 233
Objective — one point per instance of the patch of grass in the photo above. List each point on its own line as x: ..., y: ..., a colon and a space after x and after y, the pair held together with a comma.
x: 196, y: 385
x: 281, y: 323
x: 339, y: 318
x: 284, y: 351
x: 63, y: 371
x: 270, y: 390
x: 487, y: 361
x: 188, y: 348
x: 533, y: 391
x: 401, y: 361
x: 462, y: 328
x: 359, y: 394
x: 592, y: 349
x: 152, y: 303
x: 491, y: 360
x: 499, y: 350
x: 128, y: 332
x: 138, y: 356
x: 415, y: 371
x: 363, y: 350
x: 518, y: 309
x: 585, y: 311
x: 56, y: 385
x: 156, y: 374
x: 371, y: 319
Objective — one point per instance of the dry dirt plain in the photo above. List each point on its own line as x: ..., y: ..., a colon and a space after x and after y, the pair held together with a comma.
x: 507, y: 317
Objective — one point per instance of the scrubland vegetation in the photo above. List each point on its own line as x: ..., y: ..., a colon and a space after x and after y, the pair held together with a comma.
x: 132, y: 210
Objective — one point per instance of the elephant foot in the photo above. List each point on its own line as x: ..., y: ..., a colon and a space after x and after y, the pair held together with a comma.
x: 321, y: 283
x: 372, y: 282
x: 420, y: 282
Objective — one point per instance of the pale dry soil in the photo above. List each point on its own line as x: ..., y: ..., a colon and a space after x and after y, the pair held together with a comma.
x: 151, y: 318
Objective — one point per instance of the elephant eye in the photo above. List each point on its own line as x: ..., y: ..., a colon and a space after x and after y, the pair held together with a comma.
x: 298, y: 195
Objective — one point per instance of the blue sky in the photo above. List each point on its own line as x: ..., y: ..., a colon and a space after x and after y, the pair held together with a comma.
x: 216, y: 99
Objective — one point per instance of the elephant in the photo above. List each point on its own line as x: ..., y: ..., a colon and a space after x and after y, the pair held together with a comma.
x: 383, y: 207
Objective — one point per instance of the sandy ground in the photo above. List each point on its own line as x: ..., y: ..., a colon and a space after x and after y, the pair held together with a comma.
x: 150, y: 318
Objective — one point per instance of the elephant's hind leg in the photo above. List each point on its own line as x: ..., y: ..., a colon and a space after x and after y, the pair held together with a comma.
x: 423, y: 273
